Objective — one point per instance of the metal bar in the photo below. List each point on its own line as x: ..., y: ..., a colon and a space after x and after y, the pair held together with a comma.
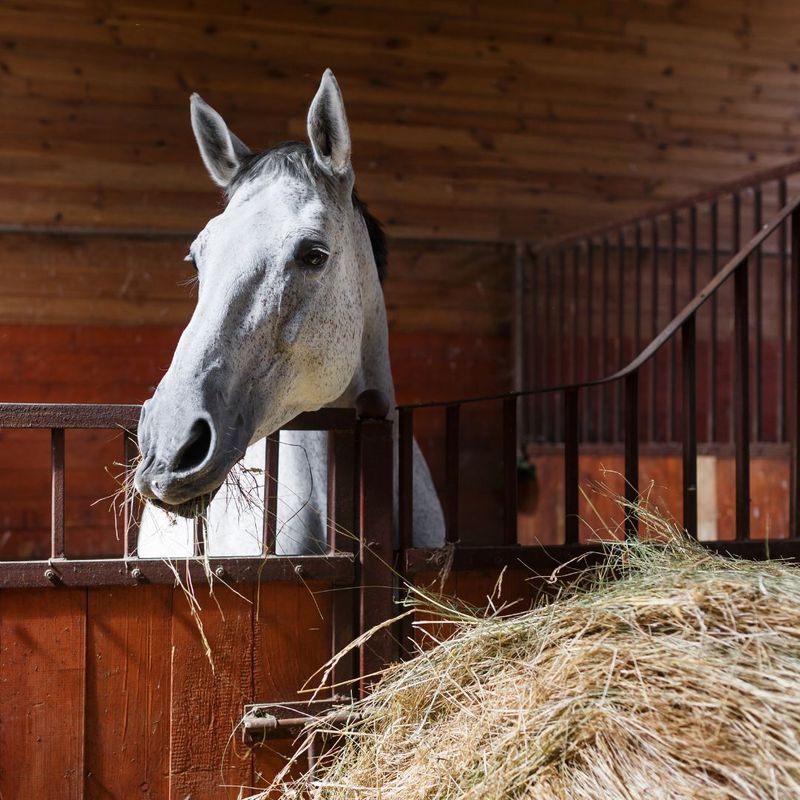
x: 618, y: 413
x: 783, y: 298
x: 713, y: 432
x: 539, y: 560
x: 736, y: 224
x: 758, y: 416
x: 57, y: 549
x: 548, y: 410
x: 689, y: 358
x: 562, y: 336
x: 602, y: 405
x: 692, y: 251
x: 794, y: 384
x: 535, y: 354
x: 376, y: 576
x: 673, y: 310
x: 587, y: 405
x: 452, y: 473
x: 271, y: 468
x: 342, y: 538
x: 406, y: 477
x: 337, y: 569
x: 637, y: 334
x: 199, y: 547
x: 741, y: 400
x: 653, y: 416
x: 571, y: 467
x: 575, y: 298
x: 130, y: 452
x: 510, y: 470
x: 518, y: 329
x: 631, y: 453
x: 92, y: 416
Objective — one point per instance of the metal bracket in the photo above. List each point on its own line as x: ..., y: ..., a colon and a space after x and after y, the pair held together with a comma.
x: 263, y: 721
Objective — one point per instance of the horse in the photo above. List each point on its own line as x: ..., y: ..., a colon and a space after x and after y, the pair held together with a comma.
x: 290, y: 318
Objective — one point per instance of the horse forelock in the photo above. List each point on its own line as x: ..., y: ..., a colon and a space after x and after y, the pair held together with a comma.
x: 296, y: 159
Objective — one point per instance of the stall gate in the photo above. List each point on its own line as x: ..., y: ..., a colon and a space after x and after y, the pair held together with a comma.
x: 107, y: 688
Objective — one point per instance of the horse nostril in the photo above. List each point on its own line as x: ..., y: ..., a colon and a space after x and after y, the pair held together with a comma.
x: 196, y: 449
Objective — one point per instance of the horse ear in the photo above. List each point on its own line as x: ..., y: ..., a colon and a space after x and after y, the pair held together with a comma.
x: 327, y: 127
x: 221, y: 150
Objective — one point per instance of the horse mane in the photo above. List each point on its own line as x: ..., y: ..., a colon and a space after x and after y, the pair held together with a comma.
x: 297, y: 160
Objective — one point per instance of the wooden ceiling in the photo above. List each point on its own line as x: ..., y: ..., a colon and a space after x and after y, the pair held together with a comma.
x: 470, y: 120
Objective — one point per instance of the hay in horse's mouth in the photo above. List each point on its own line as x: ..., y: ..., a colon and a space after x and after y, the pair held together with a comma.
x: 190, y: 509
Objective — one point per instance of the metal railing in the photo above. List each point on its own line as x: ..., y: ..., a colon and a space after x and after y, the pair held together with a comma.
x: 627, y: 383
x: 589, y: 302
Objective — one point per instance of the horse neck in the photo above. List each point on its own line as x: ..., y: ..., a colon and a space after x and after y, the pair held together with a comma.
x: 374, y: 370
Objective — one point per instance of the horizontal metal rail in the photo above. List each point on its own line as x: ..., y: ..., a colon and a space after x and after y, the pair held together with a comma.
x: 338, y: 568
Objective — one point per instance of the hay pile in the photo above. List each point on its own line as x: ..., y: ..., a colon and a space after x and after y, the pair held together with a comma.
x: 674, y: 674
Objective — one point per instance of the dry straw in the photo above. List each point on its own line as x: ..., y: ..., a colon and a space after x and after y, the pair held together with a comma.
x: 668, y: 672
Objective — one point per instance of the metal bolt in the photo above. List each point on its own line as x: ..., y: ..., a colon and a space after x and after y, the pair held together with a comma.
x: 220, y: 572
x: 137, y: 575
x: 298, y: 569
x: 52, y: 575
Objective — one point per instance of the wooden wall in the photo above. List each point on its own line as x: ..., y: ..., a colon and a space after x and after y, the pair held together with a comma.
x: 469, y: 120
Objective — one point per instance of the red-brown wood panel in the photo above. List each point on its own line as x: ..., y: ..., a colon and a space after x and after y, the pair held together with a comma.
x: 206, y: 758
x: 42, y: 685
x: 128, y: 681
x: 292, y: 641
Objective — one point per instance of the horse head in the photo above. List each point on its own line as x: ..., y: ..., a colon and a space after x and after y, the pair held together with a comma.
x: 279, y: 321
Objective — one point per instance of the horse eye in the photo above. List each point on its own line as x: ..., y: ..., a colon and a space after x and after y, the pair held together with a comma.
x: 314, y: 257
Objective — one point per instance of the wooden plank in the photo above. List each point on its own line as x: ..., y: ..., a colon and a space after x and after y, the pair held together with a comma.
x: 292, y: 641
x: 42, y: 685
x: 128, y: 646
x: 206, y: 757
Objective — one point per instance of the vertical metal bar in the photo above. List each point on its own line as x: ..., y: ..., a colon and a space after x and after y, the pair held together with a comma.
x: 342, y: 538
x: 451, y: 446
x: 758, y: 416
x: 689, y: 358
x: 713, y: 431
x: 376, y: 577
x: 783, y: 333
x: 653, y: 366
x: 620, y: 334
x: 518, y: 329
x: 535, y: 351
x: 589, y: 374
x: 637, y: 333
x: 57, y: 549
x: 794, y: 384
x: 200, y: 535
x: 605, y: 362
x: 631, y: 453
x: 571, y: 467
x: 575, y: 298
x: 271, y: 467
x: 736, y: 225
x: 406, y: 477
x: 510, y: 470
x: 673, y: 310
x: 131, y: 517
x: 692, y: 251
x: 561, y: 375
x: 741, y: 400
x: 547, y: 347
